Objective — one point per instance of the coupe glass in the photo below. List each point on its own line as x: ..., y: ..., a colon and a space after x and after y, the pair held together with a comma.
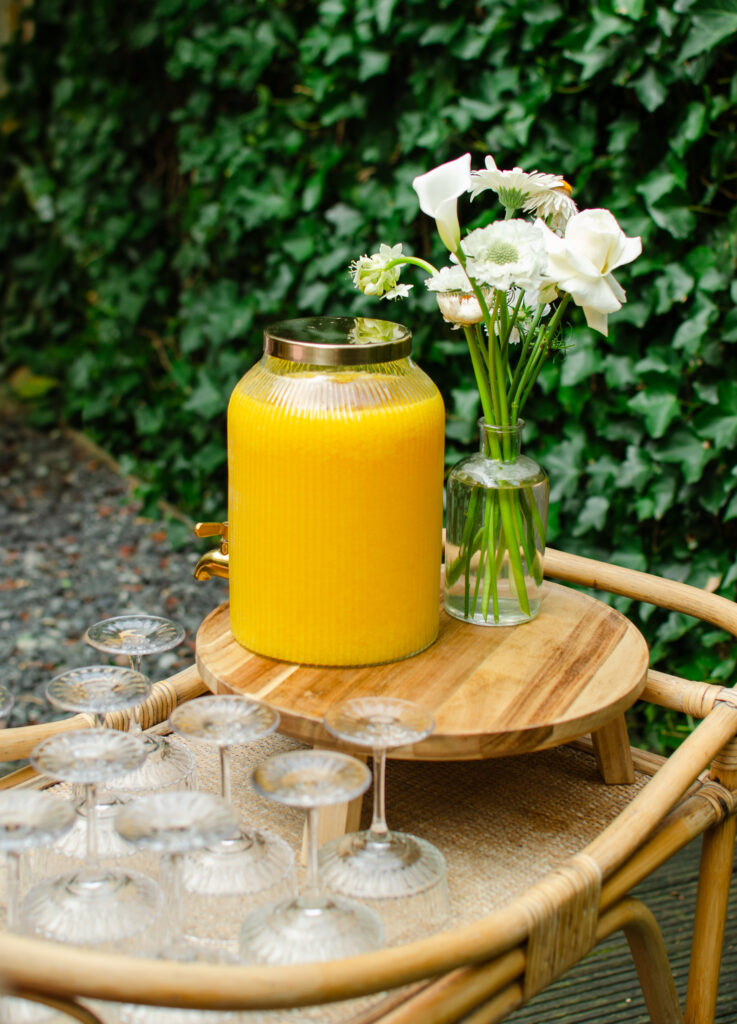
x: 174, y: 824
x: 27, y: 819
x: 95, y: 905
x: 98, y: 689
x: 169, y: 765
x: 312, y: 926
x: 401, y: 875
x: 251, y: 867
x: 135, y: 636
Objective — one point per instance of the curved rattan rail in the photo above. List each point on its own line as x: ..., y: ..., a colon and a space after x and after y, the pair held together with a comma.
x: 486, y: 968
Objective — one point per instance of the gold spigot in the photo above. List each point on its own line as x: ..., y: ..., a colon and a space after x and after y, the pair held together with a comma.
x: 214, y: 562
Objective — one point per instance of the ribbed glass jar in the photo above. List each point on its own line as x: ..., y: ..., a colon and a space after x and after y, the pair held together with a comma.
x: 335, y: 481
x: 496, y: 519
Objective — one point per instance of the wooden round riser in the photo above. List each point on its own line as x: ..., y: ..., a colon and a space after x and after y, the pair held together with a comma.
x: 494, y: 691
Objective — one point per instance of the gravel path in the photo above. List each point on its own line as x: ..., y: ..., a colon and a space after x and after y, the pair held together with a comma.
x: 76, y: 550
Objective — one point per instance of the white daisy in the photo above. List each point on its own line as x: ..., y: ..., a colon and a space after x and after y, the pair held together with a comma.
x: 513, y: 187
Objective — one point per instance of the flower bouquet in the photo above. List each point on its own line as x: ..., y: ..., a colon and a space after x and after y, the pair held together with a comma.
x: 507, y: 286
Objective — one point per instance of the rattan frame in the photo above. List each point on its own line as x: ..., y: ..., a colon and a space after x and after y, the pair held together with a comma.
x: 479, y: 973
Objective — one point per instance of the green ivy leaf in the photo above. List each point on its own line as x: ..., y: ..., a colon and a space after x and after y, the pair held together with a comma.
x: 722, y: 430
x: 651, y: 89
x: 687, y: 451
x: 636, y: 469
x: 592, y: 516
x: 711, y: 22
x: 658, y: 409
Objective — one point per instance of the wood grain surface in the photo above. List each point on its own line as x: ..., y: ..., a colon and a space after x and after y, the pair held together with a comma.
x: 493, y: 690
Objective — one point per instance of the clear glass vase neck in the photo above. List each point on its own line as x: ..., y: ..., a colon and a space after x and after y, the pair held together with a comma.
x: 501, y: 442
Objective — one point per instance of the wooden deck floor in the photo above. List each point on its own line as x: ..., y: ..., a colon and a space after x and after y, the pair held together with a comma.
x: 604, y: 988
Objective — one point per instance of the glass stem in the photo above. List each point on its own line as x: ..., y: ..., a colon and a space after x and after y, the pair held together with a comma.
x: 134, y: 724
x: 90, y: 797
x: 312, y: 896
x: 379, y: 832
x: 226, y: 788
x: 13, y: 890
x: 171, y: 869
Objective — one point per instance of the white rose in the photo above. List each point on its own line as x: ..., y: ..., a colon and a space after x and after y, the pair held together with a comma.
x: 582, y: 261
x: 438, y: 191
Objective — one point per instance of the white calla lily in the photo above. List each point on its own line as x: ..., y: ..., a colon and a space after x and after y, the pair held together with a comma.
x: 582, y: 261
x: 438, y: 191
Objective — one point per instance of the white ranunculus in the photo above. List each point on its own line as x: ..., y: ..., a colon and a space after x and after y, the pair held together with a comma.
x: 438, y: 191
x: 582, y: 261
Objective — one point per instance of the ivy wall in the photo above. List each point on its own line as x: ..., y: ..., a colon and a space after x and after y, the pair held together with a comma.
x: 177, y: 173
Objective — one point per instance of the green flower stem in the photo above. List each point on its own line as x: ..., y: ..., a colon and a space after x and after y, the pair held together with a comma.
x: 540, y: 353
x: 414, y: 261
x: 531, y: 514
x: 526, y: 340
x: 481, y: 573
x: 525, y: 529
x: 482, y: 346
x: 506, y: 503
x: 467, y: 572
x: 496, y: 409
x: 491, y: 588
x: 543, y: 349
x: 486, y: 394
x: 511, y: 324
x: 453, y: 570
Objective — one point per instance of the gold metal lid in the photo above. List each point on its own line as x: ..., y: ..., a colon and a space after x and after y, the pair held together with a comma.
x: 337, y: 340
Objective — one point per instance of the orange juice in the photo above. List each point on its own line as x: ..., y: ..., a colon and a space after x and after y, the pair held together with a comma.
x: 335, y: 479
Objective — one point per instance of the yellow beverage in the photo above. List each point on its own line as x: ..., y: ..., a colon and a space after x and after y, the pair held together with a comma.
x: 335, y: 482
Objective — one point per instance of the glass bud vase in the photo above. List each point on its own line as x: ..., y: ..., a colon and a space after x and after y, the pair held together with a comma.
x: 496, y: 518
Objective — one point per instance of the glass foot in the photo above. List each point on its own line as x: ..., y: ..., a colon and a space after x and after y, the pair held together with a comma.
x: 58, y: 858
x: 89, y: 908
x: 297, y: 931
x: 379, y: 722
x: 224, y: 881
x: 402, y: 878
x: 168, y: 766
x: 135, y: 635
x: 98, y: 689
x: 358, y: 866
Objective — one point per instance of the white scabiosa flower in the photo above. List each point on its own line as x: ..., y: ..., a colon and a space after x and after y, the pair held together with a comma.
x: 508, y: 253
x: 514, y: 187
x: 373, y: 274
x: 438, y: 191
x: 581, y: 263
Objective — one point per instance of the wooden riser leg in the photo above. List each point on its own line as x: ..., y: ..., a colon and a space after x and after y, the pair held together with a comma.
x: 613, y: 753
x: 715, y: 872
